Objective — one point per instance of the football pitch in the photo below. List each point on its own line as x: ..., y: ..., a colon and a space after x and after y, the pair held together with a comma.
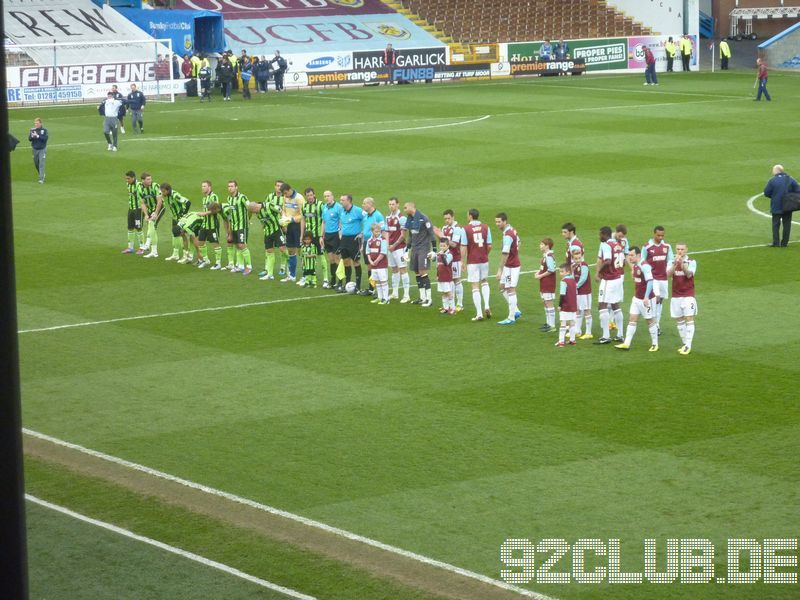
x: 341, y: 449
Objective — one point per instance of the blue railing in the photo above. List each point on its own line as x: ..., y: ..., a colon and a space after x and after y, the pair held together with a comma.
x: 706, y: 25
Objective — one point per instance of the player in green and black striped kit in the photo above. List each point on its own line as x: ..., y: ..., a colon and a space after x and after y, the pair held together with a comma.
x: 276, y: 198
x: 269, y: 212
x: 193, y: 224
x: 178, y: 206
x: 153, y: 210
x: 209, y: 233
x: 134, y: 214
x: 237, y: 217
x: 312, y: 211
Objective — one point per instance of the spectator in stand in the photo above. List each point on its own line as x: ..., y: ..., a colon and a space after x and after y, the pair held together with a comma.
x: 226, y: 75
x: 176, y: 67
x: 186, y: 67
x: 247, y: 72
x: 562, y: 50
x: 650, y: 70
x: 162, y: 68
x: 261, y: 72
x: 282, y: 67
x: 389, y: 61
x: 545, y: 51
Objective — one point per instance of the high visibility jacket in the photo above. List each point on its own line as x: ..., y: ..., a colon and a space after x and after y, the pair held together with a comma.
x: 724, y: 49
x: 670, y: 48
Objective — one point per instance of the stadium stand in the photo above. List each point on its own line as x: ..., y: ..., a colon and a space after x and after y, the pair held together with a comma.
x: 520, y: 20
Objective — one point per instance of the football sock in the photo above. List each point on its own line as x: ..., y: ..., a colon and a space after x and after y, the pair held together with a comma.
x: 562, y: 332
x: 204, y: 252
x: 131, y: 238
x: 358, y: 277
x: 630, y: 332
x: 659, y: 306
x: 292, y: 265
x: 139, y: 238
x: 285, y: 255
x: 326, y: 270
x: 618, y: 319
x: 406, y: 280
x: 604, y: 323
x: 689, y: 334
x: 579, y: 322
x: 246, y: 257
x: 218, y: 254
x: 348, y: 271
x: 573, y: 332
x: 551, y: 316
x: 512, y: 305
x: 653, y: 334
x: 237, y: 257
x: 176, y: 246
x: 589, y: 323
x: 682, y: 331
x: 396, y: 283
x: 269, y: 263
x: 153, y: 236
x: 485, y: 294
x: 334, y: 266
x: 459, y: 293
x: 231, y: 255
x: 476, y: 300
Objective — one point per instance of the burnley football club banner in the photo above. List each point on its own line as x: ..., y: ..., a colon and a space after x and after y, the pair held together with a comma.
x: 282, y: 9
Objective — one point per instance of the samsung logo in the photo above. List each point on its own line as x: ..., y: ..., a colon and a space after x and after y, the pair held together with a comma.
x: 318, y: 63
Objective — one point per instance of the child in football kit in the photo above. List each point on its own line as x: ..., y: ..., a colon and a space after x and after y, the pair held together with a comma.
x: 309, y: 253
x: 444, y: 277
x: 567, y: 306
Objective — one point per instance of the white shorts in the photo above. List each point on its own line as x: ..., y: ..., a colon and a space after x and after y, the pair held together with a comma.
x: 661, y: 288
x: 380, y: 275
x: 585, y: 301
x: 682, y: 307
x: 638, y: 308
x: 445, y: 286
x: 397, y: 258
x: 509, y: 278
x: 547, y: 296
x: 611, y: 291
x: 456, y: 269
x: 479, y: 272
x: 566, y: 316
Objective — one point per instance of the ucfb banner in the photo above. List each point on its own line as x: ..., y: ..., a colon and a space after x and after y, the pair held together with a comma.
x: 656, y: 43
x: 280, y: 9
x: 303, y: 35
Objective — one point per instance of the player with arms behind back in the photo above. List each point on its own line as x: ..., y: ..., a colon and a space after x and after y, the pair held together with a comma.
x: 475, y: 254
x: 658, y: 254
x: 683, y: 305
x: 508, y: 273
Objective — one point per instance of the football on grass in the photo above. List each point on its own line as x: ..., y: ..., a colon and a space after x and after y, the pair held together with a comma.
x: 350, y: 288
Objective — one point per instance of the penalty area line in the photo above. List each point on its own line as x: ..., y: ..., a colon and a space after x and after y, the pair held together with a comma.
x: 171, y: 549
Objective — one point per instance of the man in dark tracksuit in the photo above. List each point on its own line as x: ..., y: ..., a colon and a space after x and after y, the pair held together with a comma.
x: 282, y: 66
x: 38, y: 140
x: 776, y: 189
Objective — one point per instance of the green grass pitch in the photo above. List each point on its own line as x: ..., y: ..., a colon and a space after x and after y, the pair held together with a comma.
x: 433, y: 434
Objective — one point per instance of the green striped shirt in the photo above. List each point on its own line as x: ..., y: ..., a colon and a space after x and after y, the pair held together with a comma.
x: 210, y: 221
x: 313, y: 215
x: 236, y: 212
x: 309, y: 254
x: 150, y: 195
x: 134, y: 201
x: 191, y: 223
x: 178, y: 205
x: 270, y: 214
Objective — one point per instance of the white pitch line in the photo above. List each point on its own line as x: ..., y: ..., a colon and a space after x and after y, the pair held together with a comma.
x: 172, y: 549
x: 175, y: 313
x: 751, y: 206
x: 288, y: 515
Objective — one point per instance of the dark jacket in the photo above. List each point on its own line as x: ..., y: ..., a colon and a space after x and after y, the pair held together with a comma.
x: 776, y: 188
x: 226, y: 73
x: 38, y: 143
x: 262, y: 70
